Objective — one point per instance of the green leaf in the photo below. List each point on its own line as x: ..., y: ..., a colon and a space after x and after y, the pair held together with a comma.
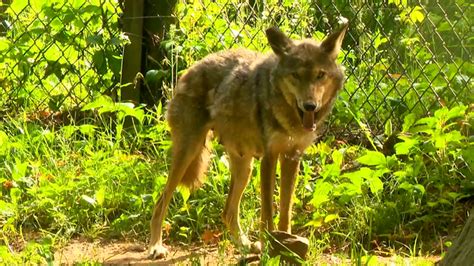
x: 416, y: 15
x: 4, y: 44
x: 357, y: 178
x: 102, y: 101
x: 68, y: 131
x: 405, y: 186
x: 4, y: 143
x: 16, y: 7
x: 420, y: 188
x: 153, y: 76
x: 375, y: 184
x: 331, y: 217
x: 388, y: 128
x: 408, y: 121
x: 6, y: 209
x: 321, y: 193
x: 372, y: 158
x: 88, y: 130
x: 53, y: 53
x: 100, y: 196
x: 404, y: 148
x: 337, y: 158
x: 98, y: 59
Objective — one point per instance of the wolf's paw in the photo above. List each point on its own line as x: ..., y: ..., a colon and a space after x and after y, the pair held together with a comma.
x: 248, y: 246
x: 256, y: 247
x: 157, y: 252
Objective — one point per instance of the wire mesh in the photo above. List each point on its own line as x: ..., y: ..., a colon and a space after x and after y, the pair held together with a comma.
x: 57, y: 54
x: 400, y: 56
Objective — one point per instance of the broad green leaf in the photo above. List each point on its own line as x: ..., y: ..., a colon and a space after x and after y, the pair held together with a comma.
x: 15, y: 195
x: 88, y: 130
x: 416, y: 14
x: 4, y: 44
x: 420, y: 188
x: 153, y: 76
x: 337, y: 157
x: 68, y: 131
x: 102, y: 101
x: 315, y: 222
x: 404, y: 148
x: 6, y: 209
x: 429, y: 121
x: 100, y: 196
x: 372, y: 158
x: 408, y: 121
x: 98, y: 58
x: 321, y: 193
x: 4, y: 142
x: 370, y: 260
x: 37, y: 5
x: 357, y: 178
x: 406, y: 186
x: 53, y: 53
x: 19, y: 169
x: 442, y: 140
x: 184, y: 192
x: 375, y: 184
x: 457, y: 111
x: 331, y: 217
x: 16, y: 7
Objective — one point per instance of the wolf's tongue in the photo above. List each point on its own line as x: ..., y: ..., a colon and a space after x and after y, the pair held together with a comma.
x: 308, y: 120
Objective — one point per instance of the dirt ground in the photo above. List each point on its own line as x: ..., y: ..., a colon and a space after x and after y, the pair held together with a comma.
x: 126, y: 253
x: 135, y: 253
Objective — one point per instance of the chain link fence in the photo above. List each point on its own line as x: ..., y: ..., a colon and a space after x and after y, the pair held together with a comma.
x: 57, y: 54
x: 400, y: 56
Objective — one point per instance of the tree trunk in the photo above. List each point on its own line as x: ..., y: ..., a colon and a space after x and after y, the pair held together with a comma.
x: 462, y: 250
x: 158, y: 18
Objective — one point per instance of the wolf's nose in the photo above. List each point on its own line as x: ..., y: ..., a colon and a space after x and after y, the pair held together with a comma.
x: 309, y: 106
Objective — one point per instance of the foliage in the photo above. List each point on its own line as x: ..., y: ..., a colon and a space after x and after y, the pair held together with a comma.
x: 100, y: 176
x: 58, y: 54
x: 103, y: 179
x: 406, y: 196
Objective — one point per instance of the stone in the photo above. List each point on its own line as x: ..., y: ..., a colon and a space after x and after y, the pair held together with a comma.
x: 291, y: 248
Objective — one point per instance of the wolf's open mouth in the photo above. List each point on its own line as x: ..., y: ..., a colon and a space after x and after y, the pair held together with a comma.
x: 308, y: 119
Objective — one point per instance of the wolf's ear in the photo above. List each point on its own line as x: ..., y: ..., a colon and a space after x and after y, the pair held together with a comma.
x: 279, y: 42
x: 332, y: 43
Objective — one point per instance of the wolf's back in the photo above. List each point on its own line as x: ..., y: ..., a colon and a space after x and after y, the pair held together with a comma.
x: 208, y: 73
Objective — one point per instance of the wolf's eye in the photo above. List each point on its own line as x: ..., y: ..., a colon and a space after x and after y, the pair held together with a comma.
x: 296, y: 75
x: 320, y: 75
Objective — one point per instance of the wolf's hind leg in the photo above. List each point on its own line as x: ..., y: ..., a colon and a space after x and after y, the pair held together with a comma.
x: 189, y: 139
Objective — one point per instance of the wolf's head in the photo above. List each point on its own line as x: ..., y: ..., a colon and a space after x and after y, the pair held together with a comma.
x: 307, y: 73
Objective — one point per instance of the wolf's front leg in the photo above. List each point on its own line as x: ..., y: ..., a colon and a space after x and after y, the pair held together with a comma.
x: 267, y: 184
x: 289, y: 165
x: 240, y: 168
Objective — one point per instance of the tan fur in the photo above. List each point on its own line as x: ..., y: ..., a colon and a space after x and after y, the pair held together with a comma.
x: 257, y: 106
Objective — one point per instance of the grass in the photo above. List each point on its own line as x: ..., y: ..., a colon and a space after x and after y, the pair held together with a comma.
x: 98, y: 181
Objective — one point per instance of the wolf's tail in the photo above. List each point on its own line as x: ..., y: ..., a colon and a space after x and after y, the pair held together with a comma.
x: 195, y: 173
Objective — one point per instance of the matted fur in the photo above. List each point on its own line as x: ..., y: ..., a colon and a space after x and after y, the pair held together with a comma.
x: 258, y: 106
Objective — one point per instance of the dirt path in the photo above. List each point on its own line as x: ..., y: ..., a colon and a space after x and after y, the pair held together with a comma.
x: 135, y: 253
x: 123, y: 253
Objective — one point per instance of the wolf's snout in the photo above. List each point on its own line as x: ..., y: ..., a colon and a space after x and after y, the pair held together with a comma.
x: 309, y: 106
